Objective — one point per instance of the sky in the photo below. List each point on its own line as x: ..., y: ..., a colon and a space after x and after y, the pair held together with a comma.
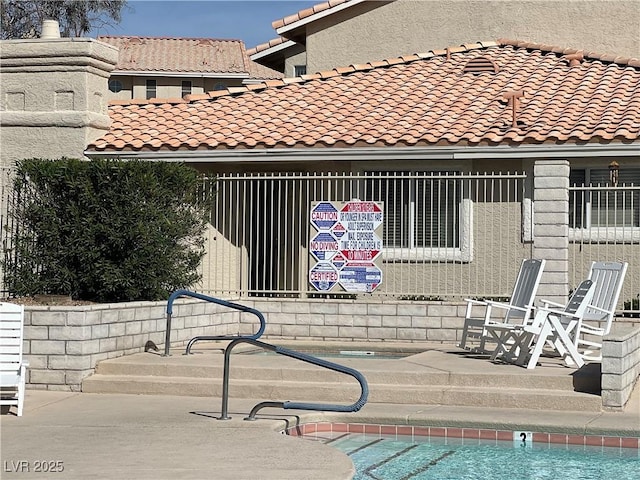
x: 249, y: 21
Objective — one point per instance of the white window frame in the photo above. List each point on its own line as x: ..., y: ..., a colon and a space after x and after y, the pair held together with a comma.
x: 461, y: 253
x: 612, y: 232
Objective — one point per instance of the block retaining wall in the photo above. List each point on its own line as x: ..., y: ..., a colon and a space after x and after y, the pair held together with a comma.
x: 64, y: 344
x: 620, y: 366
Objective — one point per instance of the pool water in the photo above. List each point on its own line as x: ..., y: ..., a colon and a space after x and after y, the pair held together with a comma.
x: 446, y: 458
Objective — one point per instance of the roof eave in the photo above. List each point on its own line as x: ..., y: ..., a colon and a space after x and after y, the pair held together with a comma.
x: 273, y: 50
x: 616, y: 149
x: 288, y: 29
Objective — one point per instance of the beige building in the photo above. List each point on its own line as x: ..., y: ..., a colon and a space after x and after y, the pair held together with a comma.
x: 165, y: 67
x: 346, y: 32
x: 383, y: 131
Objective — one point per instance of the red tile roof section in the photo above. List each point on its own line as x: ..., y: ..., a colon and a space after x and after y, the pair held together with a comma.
x: 421, y: 99
x: 307, y: 12
x: 186, y: 55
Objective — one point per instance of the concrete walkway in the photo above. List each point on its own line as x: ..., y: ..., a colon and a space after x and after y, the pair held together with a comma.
x: 116, y: 436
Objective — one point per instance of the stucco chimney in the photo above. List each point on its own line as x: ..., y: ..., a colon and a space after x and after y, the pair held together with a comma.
x: 53, y: 96
x: 50, y: 29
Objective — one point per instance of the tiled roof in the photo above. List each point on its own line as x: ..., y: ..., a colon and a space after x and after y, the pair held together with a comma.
x: 421, y: 99
x: 184, y: 55
x: 307, y: 12
x: 266, y: 46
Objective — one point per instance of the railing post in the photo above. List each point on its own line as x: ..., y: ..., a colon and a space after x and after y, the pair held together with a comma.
x: 167, y: 336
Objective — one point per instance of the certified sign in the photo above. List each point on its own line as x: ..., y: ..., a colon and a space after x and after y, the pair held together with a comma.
x: 360, y: 277
x: 323, y: 276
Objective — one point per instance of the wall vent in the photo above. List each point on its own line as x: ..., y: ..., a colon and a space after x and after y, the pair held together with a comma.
x: 480, y: 65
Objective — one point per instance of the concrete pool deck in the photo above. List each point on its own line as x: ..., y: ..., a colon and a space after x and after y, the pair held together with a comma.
x: 178, y: 437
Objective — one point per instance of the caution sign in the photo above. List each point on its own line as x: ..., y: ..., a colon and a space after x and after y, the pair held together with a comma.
x: 345, y: 241
x: 324, y: 216
x: 360, y: 277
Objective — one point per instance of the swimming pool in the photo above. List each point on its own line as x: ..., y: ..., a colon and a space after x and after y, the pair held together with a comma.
x: 415, y: 458
x: 415, y: 452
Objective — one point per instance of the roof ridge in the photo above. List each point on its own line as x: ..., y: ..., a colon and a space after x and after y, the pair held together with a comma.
x: 337, y: 71
x: 405, y: 59
x: 608, y: 58
x: 149, y: 37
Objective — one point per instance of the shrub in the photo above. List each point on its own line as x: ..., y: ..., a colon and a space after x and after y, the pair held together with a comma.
x: 104, y: 230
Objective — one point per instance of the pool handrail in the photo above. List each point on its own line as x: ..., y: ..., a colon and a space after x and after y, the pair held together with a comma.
x: 219, y: 301
x: 354, y: 407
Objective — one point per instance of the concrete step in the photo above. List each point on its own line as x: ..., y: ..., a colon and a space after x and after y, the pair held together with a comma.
x: 345, y: 393
x: 375, y: 371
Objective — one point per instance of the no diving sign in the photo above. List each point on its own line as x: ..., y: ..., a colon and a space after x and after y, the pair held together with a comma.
x: 345, y: 241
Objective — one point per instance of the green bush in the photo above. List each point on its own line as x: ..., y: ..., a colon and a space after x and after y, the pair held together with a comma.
x: 104, y: 230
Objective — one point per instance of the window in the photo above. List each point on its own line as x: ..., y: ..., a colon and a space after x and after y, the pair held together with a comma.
x: 594, y: 203
x: 186, y: 87
x: 299, y: 70
x: 151, y: 89
x: 115, y: 86
x: 422, y: 212
x: 219, y: 86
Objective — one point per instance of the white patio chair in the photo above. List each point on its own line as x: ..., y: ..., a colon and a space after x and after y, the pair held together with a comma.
x: 556, y: 328
x: 517, y: 311
x: 608, y: 278
x: 12, y: 365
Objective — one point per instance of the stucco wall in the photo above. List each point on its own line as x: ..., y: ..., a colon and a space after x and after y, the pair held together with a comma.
x: 53, y: 96
x: 390, y: 29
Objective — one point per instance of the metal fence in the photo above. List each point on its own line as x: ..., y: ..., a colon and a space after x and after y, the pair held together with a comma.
x: 445, y: 235
x: 604, y: 224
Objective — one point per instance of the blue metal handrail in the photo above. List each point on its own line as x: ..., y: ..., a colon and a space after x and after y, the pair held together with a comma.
x: 328, y: 407
x: 224, y: 303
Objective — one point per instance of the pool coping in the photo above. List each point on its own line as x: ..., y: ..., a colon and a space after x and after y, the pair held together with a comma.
x: 543, y: 438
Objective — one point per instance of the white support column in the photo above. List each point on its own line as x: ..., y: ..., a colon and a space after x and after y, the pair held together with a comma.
x: 551, y: 228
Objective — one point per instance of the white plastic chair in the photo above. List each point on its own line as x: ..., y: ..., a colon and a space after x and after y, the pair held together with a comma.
x: 608, y: 278
x: 556, y: 328
x: 12, y: 365
x: 517, y: 311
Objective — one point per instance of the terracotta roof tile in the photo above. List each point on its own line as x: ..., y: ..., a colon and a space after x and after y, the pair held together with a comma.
x: 266, y: 46
x: 421, y: 99
x: 185, y: 55
x: 307, y: 12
